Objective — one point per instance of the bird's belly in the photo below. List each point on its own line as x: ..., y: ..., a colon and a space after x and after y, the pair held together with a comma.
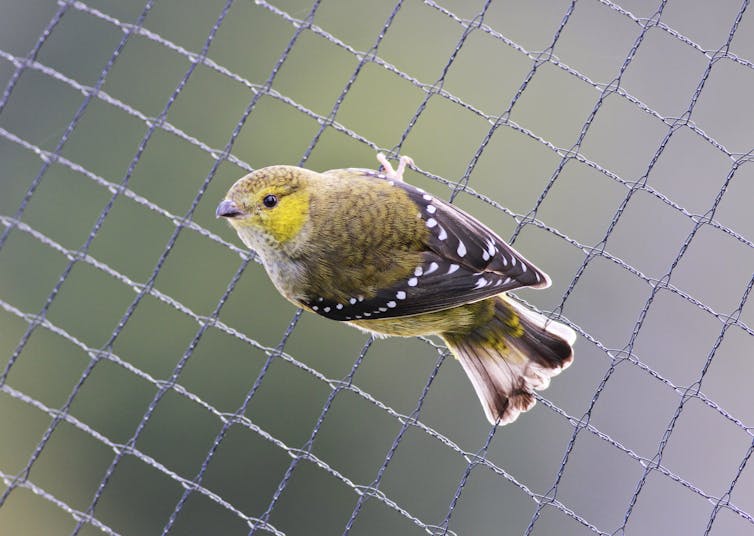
x: 461, y: 319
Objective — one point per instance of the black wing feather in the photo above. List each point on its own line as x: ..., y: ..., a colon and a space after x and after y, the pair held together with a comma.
x: 476, y: 246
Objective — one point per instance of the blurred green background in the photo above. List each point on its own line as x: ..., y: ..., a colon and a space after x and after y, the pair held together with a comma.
x: 681, y: 338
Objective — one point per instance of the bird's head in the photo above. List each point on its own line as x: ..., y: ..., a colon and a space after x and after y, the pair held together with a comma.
x: 269, y: 207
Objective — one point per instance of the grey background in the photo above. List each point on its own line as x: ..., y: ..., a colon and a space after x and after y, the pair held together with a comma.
x: 633, y: 363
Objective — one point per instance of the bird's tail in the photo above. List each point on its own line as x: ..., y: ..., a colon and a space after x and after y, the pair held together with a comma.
x: 515, y: 353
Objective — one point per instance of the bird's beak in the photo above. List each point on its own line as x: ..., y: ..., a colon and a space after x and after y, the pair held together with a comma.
x: 228, y: 209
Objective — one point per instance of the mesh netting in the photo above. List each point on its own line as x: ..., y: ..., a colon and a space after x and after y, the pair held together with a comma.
x: 153, y: 384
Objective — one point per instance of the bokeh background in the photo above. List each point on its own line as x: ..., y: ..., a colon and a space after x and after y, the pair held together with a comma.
x: 151, y: 379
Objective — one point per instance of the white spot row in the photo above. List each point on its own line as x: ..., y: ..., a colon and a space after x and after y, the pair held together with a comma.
x: 376, y: 312
x: 338, y: 306
x: 390, y: 305
x: 432, y: 222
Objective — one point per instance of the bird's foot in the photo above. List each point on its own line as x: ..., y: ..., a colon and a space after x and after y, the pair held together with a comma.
x: 395, y: 174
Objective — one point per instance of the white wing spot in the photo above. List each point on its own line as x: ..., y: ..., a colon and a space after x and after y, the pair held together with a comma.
x: 485, y: 255
x: 339, y: 306
x: 432, y: 267
x: 498, y: 282
x: 315, y: 308
x: 431, y: 222
x: 480, y: 282
x: 383, y: 309
x: 391, y: 304
x: 320, y: 299
x: 413, y: 282
x: 431, y: 209
x: 443, y: 235
x: 536, y: 276
x: 453, y: 268
x: 327, y: 309
x: 352, y: 301
x: 426, y: 197
x: 507, y: 280
x: 366, y: 314
x: 400, y: 295
x: 505, y: 260
x: 418, y: 271
x: 360, y: 298
x: 461, y: 248
x: 491, y: 247
x: 523, y: 266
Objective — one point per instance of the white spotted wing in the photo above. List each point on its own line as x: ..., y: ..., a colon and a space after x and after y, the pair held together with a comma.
x: 464, y: 261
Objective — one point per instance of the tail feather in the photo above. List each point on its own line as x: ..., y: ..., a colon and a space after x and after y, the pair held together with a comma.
x: 513, y: 355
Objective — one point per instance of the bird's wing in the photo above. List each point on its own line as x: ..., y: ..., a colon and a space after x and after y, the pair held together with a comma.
x: 464, y: 261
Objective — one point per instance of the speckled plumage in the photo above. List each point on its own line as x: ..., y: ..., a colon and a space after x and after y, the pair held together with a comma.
x: 364, y: 247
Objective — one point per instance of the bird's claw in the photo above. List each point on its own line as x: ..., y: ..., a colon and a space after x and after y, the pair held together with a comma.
x: 395, y: 174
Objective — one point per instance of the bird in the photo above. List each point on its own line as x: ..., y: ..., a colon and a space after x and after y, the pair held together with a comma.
x: 363, y: 247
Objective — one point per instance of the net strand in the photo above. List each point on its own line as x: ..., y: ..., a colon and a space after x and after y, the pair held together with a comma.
x: 473, y: 459
x: 66, y: 272
x: 396, y: 150
x: 49, y: 497
x: 616, y: 356
x: 31, y: 57
x: 394, y: 446
x: 553, y: 491
x: 331, y: 118
x: 477, y: 460
x: 281, y: 346
x: 225, y: 419
x: 462, y: 185
x: 169, y: 247
x: 686, y: 123
x: 673, y: 421
x: 724, y: 500
x: 504, y: 118
x: 601, y: 251
x: 340, y: 128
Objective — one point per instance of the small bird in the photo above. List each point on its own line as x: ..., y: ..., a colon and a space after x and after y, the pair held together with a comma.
x: 363, y: 247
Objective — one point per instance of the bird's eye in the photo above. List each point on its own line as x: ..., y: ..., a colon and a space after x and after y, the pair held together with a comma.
x: 270, y: 200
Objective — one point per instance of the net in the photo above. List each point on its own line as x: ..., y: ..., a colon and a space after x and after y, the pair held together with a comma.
x: 152, y: 380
